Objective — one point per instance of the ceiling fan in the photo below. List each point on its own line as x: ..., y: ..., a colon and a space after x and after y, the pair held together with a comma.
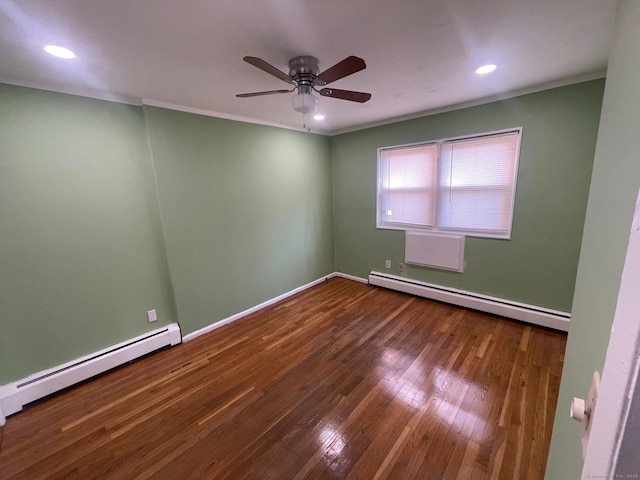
x: 304, y: 75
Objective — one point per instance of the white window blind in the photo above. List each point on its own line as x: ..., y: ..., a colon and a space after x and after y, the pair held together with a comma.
x: 465, y: 185
x: 407, y: 181
x: 476, y: 183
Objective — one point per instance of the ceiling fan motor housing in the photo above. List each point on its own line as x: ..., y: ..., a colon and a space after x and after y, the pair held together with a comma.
x: 304, y: 71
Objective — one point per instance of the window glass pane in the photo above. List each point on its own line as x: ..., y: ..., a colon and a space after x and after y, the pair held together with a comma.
x: 412, y: 168
x: 410, y: 207
x: 478, y: 162
x: 407, y: 178
x: 485, y: 210
x: 476, y: 182
x: 465, y: 185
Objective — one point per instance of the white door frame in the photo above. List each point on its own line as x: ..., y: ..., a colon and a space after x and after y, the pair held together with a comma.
x: 615, y: 406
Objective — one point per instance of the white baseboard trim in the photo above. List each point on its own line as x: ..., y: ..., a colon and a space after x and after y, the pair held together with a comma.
x: 237, y: 316
x: 498, y: 306
x: 15, y: 395
x: 244, y: 313
x: 348, y: 277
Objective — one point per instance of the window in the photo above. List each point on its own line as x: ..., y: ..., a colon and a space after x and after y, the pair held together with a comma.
x: 465, y: 185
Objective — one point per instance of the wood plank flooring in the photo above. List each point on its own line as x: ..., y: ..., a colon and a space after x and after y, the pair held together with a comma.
x: 342, y: 381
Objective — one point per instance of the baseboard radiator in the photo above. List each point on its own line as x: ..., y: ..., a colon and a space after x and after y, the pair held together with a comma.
x: 518, y: 311
x: 15, y: 395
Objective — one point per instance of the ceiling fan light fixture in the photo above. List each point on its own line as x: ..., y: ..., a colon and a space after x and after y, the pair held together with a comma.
x: 304, y: 103
x: 318, y: 116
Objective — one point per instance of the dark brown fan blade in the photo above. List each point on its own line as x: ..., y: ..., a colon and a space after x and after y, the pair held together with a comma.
x: 264, y: 66
x: 341, y: 69
x: 359, y: 97
x: 257, y: 94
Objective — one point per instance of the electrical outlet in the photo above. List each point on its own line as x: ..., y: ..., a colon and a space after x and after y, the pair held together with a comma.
x: 387, y: 264
x: 152, y: 315
x: 401, y: 267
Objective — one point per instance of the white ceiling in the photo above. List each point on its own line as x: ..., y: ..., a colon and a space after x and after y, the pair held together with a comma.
x: 420, y: 54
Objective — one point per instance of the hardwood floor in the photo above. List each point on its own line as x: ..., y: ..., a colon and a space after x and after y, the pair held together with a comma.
x: 341, y: 381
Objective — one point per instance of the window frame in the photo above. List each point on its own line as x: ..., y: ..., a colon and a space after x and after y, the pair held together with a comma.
x: 436, y: 189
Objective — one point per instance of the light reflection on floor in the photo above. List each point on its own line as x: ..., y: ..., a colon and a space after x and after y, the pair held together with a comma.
x: 461, y: 419
x: 440, y: 392
x: 410, y: 387
x: 331, y: 441
x: 405, y: 386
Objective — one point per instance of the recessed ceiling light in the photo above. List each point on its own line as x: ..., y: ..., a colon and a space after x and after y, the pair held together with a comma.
x: 318, y: 117
x: 485, y: 69
x: 60, y: 52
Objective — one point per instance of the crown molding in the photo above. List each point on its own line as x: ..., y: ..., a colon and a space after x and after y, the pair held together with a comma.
x: 477, y: 102
x: 211, y: 113
x: 118, y: 98
x: 76, y: 90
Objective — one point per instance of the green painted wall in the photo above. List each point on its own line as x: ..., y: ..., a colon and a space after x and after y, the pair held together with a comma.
x: 246, y: 216
x: 246, y: 210
x: 109, y: 210
x: 538, y: 265
x: 612, y: 198
x: 81, y: 254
